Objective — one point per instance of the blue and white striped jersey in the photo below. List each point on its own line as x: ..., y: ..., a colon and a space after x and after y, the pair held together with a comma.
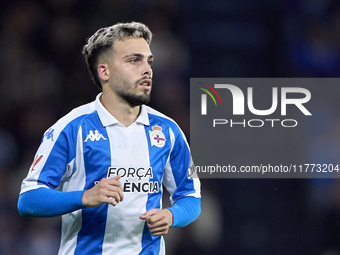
x: 89, y: 144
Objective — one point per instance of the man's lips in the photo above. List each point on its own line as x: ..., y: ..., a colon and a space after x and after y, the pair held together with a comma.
x: 146, y: 84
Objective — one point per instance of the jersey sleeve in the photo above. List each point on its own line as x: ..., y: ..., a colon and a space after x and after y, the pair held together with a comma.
x: 176, y: 178
x: 182, y: 184
x: 42, y: 202
x: 53, y: 160
x: 185, y: 211
x: 53, y: 165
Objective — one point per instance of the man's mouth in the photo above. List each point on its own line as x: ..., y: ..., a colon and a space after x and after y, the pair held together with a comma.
x: 146, y: 84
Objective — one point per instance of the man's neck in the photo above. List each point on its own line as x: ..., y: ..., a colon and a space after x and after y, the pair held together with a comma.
x: 121, y: 110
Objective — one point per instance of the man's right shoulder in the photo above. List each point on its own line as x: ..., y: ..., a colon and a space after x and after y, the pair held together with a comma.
x: 74, y: 118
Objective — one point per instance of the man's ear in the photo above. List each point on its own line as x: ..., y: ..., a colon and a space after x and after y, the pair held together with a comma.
x: 103, y: 71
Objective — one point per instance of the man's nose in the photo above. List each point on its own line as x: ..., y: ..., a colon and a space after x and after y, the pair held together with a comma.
x: 147, y: 71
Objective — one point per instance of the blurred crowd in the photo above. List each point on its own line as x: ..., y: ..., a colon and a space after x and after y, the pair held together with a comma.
x: 43, y: 77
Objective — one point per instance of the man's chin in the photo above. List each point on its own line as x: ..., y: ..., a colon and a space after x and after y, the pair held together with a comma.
x: 138, y: 100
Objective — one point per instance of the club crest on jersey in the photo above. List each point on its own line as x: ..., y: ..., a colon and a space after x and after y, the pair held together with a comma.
x: 96, y: 136
x: 157, y: 137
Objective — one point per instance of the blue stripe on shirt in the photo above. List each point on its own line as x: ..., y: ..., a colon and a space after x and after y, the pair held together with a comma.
x: 91, y: 235
x: 150, y: 243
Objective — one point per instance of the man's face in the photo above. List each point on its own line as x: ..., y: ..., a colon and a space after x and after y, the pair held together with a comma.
x: 130, y: 71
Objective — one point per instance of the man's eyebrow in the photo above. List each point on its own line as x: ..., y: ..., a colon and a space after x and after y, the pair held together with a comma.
x: 139, y: 55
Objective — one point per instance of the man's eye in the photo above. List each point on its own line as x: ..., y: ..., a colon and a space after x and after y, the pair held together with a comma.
x: 150, y: 62
x: 134, y: 60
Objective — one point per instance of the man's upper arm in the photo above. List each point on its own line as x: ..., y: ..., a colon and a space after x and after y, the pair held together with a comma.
x: 53, y: 162
x: 54, y: 156
x: 176, y: 175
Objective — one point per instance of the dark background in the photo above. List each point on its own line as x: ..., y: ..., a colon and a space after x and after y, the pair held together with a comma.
x: 43, y: 77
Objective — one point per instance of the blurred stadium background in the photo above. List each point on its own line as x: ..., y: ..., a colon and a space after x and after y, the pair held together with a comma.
x: 43, y: 76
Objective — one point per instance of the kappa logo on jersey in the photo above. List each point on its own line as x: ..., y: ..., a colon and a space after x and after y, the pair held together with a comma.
x: 49, y: 134
x: 96, y: 136
x: 157, y: 137
x: 36, y: 161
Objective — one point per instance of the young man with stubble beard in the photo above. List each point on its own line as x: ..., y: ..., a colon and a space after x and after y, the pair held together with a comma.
x: 102, y: 166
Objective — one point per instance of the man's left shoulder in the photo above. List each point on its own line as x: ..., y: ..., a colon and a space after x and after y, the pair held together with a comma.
x: 155, y: 115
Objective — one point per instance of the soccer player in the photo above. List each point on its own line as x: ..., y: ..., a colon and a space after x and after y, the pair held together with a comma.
x: 102, y: 166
